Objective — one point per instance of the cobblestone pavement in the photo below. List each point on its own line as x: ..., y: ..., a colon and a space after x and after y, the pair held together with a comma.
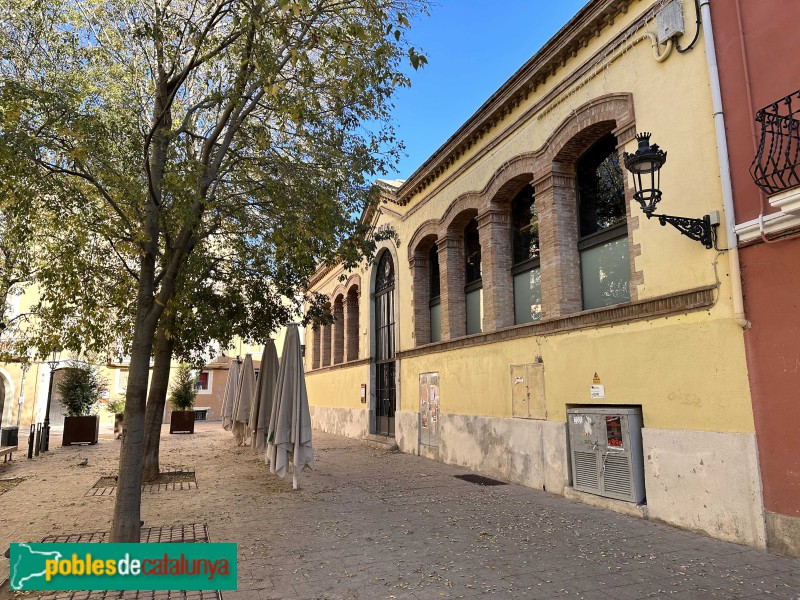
x: 371, y: 524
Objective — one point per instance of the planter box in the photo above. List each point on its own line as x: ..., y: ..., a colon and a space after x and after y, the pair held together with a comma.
x: 81, y: 430
x: 118, y: 425
x: 181, y: 421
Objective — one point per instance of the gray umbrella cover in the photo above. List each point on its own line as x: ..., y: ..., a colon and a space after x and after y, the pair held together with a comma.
x: 230, y: 395
x: 261, y: 409
x: 290, y: 422
x: 244, y: 398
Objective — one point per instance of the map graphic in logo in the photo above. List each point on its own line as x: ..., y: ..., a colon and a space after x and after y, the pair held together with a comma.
x: 126, y: 566
x: 29, y: 564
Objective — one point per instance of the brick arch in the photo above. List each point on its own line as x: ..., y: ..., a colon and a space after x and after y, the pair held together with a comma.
x: 587, y: 124
x: 461, y: 211
x: 339, y: 291
x: 421, y: 236
x: 509, y: 179
x: 353, y: 280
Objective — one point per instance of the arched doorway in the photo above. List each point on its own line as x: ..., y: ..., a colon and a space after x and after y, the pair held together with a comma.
x: 385, y: 347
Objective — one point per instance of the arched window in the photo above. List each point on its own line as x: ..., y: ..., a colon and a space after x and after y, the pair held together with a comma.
x: 338, y: 330
x: 326, y: 342
x: 603, y: 232
x: 525, y: 258
x: 435, y: 288
x: 316, y: 351
x: 385, y: 346
x: 351, y: 321
x: 473, y: 286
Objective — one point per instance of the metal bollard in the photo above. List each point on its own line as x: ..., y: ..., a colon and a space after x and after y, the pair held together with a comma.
x: 31, y: 435
x: 38, y: 443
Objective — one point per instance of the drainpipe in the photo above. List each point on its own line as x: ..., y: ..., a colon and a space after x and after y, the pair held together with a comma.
x: 725, y: 169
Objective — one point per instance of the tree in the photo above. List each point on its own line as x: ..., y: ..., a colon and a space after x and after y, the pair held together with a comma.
x: 184, y: 389
x: 192, y: 122
x: 80, y: 388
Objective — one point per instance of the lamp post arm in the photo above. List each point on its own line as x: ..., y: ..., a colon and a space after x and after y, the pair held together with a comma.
x: 699, y: 230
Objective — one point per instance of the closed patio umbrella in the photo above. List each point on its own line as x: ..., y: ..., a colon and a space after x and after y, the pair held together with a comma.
x: 290, y: 422
x: 230, y: 395
x: 244, y: 397
x: 265, y: 390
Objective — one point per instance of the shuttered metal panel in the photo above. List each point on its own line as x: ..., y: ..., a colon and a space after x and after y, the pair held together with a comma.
x: 617, y: 479
x: 586, y: 471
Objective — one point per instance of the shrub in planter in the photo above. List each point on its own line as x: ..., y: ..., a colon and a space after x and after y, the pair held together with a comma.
x: 116, y: 406
x: 181, y: 399
x: 80, y: 388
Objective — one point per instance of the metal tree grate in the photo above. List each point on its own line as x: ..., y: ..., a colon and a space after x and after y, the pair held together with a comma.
x: 168, y: 481
x: 196, y: 532
x: 134, y: 595
x: 776, y: 166
x: 479, y: 479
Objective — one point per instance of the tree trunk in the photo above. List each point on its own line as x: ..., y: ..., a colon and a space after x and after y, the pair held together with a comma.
x: 127, y: 508
x: 157, y: 396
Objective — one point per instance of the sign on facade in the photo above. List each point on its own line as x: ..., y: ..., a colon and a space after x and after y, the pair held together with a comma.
x: 429, y: 409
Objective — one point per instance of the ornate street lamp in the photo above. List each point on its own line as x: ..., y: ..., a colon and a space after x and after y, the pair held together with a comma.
x: 645, y: 165
x: 53, y: 363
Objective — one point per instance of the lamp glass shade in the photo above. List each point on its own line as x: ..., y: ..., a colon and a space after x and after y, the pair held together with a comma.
x: 645, y: 165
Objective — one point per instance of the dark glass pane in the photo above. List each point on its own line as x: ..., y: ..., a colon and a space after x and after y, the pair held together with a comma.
x: 433, y: 262
x: 472, y: 252
x: 385, y: 278
x: 525, y: 225
x: 601, y: 187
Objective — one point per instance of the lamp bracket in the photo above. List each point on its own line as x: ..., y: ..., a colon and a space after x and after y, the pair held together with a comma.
x: 700, y: 230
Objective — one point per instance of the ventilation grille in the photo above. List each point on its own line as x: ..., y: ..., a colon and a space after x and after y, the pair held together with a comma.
x: 617, y: 475
x: 586, y: 470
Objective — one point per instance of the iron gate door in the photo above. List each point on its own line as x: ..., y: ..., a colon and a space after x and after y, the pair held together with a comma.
x: 385, y: 366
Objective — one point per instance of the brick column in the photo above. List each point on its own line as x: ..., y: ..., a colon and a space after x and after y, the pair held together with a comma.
x: 325, y: 343
x: 338, y: 332
x: 494, y: 228
x: 451, y: 271
x: 421, y: 293
x: 351, y: 326
x: 557, y: 206
x: 316, y: 347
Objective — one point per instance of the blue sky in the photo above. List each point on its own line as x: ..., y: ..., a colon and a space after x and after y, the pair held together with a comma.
x: 473, y: 47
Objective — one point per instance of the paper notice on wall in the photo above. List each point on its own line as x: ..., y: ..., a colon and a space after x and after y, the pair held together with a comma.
x: 597, y: 392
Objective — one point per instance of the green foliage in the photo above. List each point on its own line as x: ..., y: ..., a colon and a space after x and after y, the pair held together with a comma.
x: 201, y: 158
x: 116, y: 405
x: 245, y: 134
x: 183, y: 389
x: 80, y: 386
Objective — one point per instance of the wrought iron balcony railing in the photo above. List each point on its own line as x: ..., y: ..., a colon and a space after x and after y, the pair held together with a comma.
x: 776, y: 166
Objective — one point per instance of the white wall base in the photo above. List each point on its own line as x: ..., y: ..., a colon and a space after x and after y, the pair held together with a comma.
x: 705, y: 481
x: 348, y: 422
x: 406, y: 431
x: 524, y: 451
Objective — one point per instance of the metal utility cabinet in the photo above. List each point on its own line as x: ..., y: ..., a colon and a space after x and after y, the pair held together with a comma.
x: 606, y: 451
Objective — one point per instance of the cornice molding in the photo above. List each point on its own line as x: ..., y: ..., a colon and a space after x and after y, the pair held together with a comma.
x: 774, y: 224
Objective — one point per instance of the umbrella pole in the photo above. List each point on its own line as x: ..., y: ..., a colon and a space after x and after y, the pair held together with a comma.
x: 294, y: 480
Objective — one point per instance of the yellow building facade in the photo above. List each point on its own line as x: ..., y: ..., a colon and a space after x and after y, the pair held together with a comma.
x: 527, y: 283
